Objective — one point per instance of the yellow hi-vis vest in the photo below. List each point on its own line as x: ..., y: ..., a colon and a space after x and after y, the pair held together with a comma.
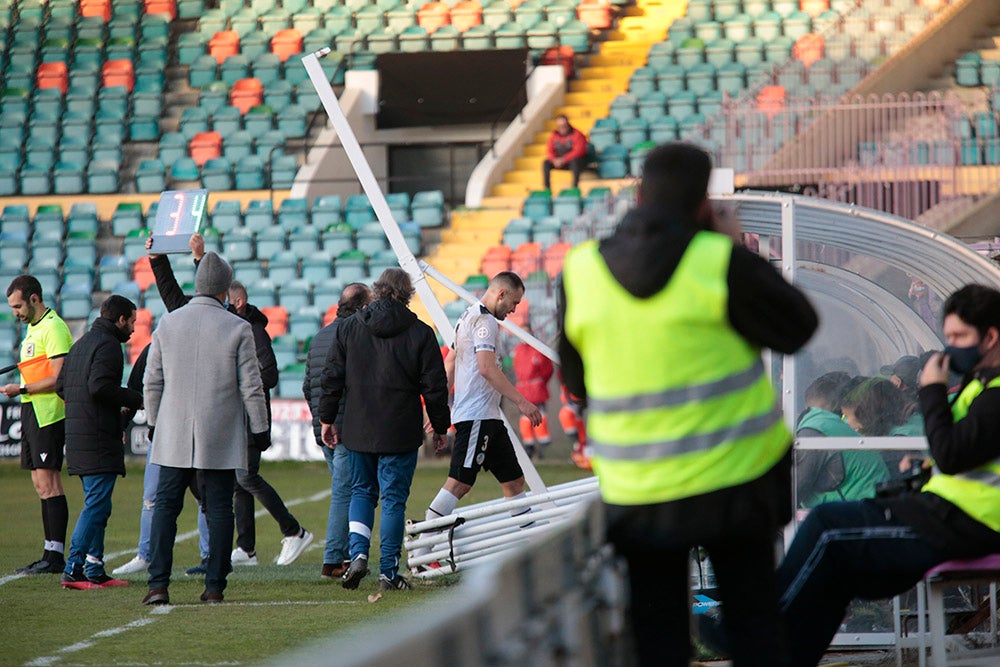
x: 976, y: 492
x: 678, y: 402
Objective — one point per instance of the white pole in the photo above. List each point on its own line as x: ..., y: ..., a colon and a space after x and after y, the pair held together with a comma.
x: 406, y: 259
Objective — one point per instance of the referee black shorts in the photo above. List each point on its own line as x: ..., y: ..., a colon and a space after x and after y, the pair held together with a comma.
x: 483, y: 444
x: 41, y: 446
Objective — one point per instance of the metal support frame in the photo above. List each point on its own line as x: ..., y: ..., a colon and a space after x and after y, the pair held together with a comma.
x: 397, y: 242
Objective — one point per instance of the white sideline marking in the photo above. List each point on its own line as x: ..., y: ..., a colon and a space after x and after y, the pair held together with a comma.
x: 45, y: 661
x: 160, y: 610
x: 316, y: 497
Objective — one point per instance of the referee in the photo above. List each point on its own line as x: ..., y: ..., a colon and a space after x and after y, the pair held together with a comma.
x: 43, y: 413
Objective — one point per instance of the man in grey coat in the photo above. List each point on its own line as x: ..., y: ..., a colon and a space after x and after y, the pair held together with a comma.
x: 202, y: 383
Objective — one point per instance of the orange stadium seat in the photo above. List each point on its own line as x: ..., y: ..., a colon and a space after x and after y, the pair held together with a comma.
x: 809, y: 48
x: 142, y: 274
x: 168, y: 7
x: 552, y: 260
x: 526, y: 259
x: 277, y: 320
x: 595, y: 13
x: 771, y: 99
x: 101, y: 8
x: 495, y: 260
x: 205, y: 146
x: 246, y: 94
x: 223, y: 44
x: 433, y: 15
x: 466, y: 14
x: 814, y: 7
x: 286, y: 43
x: 560, y: 55
x: 118, y: 73
x: 53, y: 75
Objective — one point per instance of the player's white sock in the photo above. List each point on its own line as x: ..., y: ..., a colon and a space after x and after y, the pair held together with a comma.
x: 521, y: 511
x: 443, y: 504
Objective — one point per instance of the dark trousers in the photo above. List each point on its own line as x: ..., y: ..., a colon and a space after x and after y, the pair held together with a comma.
x: 660, y: 609
x: 576, y: 166
x: 844, y: 551
x: 217, y: 496
x: 250, y: 485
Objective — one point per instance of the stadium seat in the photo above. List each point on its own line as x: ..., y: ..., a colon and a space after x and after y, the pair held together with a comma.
x: 217, y: 175
x: 317, y: 267
x: 304, y: 240
x: 248, y: 271
x: 326, y: 211
x: 262, y: 293
x: 427, y: 208
x: 295, y: 294
x: 249, y: 173
x: 303, y: 324
x: 259, y: 216
x: 517, y: 232
x: 337, y: 238
x: 238, y: 244
x: 270, y: 240
x: 351, y: 266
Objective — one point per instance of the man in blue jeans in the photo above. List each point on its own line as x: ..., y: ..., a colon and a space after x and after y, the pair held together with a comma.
x: 384, y: 359
x: 90, y: 383
x: 336, y: 555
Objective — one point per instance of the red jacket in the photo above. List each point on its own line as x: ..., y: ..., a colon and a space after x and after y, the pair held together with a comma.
x: 533, y: 371
x: 569, y: 146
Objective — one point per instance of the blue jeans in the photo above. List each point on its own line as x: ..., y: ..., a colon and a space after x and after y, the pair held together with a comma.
x: 842, y: 551
x: 217, y: 494
x: 339, y: 462
x: 88, y: 536
x: 150, y: 480
x: 388, y: 476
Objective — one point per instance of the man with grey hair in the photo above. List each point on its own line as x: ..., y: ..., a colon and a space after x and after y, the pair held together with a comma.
x: 336, y: 555
x: 384, y: 359
x: 201, y: 385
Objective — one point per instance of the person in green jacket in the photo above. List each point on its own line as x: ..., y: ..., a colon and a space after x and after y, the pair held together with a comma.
x: 830, y: 475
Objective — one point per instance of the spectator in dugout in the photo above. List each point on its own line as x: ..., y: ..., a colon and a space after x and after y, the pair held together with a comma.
x: 566, y: 149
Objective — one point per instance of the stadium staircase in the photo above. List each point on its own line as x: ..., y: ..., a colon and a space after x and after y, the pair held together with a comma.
x: 606, y: 75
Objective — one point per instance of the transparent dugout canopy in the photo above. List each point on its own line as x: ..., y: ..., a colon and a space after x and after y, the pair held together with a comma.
x: 878, y: 283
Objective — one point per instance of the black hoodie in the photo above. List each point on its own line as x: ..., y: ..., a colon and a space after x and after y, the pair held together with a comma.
x: 385, y: 359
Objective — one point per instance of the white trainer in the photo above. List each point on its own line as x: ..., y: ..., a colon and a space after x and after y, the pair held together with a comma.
x: 135, y: 565
x: 240, y: 557
x: 292, y: 547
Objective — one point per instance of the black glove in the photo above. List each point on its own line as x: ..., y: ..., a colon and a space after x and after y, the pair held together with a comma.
x: 261, y: 440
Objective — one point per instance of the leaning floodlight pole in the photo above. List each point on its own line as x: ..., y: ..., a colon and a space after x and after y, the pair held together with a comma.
x: 404, y: 255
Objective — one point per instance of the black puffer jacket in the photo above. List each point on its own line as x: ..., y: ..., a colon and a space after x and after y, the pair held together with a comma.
x: 312, y: 386
x: 385, y: 359
x: 90, y: 383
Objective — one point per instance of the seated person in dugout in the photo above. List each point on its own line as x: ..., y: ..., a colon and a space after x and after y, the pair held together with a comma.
x: 955, y: 515
x: 876, y: 407
x: 827, y: 475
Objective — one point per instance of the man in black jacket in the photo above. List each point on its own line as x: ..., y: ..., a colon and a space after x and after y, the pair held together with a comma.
x: 90, y: 383
x: 336, y: 555
x: 249, y: 483
x: 385, y: 359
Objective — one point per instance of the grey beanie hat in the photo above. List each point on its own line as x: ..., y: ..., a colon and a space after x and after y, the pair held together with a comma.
x: 214, y: 275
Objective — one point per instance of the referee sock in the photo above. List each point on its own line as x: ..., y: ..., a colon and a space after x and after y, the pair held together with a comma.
x: 58, y: 521
x: 522, y: 511
x: 46, y: 531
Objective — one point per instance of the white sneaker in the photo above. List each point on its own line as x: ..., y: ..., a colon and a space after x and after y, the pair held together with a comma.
x: 135, y: 565
x: 240, y: 557
x: 292, y: 547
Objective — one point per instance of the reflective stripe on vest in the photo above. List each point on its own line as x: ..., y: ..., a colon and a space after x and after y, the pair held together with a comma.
x: 678, y: 402
x: 976, y: 492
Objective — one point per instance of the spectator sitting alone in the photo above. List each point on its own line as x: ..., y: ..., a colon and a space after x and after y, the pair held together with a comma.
x: 567, y: 149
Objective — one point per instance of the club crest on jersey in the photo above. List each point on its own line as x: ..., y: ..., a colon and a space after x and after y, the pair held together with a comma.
x: 482, y: 332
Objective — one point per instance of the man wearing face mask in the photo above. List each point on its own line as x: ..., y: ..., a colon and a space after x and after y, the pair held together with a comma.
x: 881, y: 547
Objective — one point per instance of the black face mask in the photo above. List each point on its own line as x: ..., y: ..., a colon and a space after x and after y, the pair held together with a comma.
x: 961, y: 360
